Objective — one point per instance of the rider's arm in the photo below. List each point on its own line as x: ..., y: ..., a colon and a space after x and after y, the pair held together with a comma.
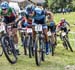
x: 16, y: 15
x: 51, y: 15
x: 23, y: 19
x: 1, y: 16
x: 13, y: 12
x: 67, y: 23
x: 0, y: 13
x: 58, y: 27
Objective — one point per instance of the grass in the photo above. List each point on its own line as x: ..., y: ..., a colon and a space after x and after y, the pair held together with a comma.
x: 61, y: 59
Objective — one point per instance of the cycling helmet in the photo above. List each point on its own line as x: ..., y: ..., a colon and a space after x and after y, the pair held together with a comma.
x: 39, y: 4
x: 49, y: 17
x: 4, y: 5
x: 29, y: 9
x: 62, y: 19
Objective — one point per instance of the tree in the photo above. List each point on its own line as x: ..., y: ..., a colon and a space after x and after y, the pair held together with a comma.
x: 45, y: 4
x: 56, y: 4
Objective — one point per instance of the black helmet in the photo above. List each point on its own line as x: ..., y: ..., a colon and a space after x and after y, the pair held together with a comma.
x: 39, y: 4
x: 29, y: 8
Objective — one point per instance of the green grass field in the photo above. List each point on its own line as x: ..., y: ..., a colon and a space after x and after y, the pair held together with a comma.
x: 61, y: 59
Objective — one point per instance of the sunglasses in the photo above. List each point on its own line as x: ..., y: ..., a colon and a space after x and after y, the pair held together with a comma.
x: 30, y: 12
x: 4, y: 9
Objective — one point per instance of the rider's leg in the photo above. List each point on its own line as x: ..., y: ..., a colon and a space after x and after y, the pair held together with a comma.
x: 21, y: 35
x: 46, y: 38
x: 34, y: 34
x: 14, y: 30
x: 53, y: 31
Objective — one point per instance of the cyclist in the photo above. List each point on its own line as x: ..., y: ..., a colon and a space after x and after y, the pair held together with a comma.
x: 29, y: 18
x: 10, y: 16
x: 38, y: 14
x: 62, y: 25
x: 22, y: 23
x: 52, y: 26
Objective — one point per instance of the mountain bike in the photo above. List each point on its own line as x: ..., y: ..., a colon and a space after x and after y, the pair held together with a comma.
x: 39, y: 45
x: 52, y: 41
x: 27, y: 40
x: 65, y: 39
x: 7, y: 43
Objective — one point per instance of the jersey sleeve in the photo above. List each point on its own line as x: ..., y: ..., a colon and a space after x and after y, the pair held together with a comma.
x: 67, y: 23
x: 0, y: 12
x: 59, y: 25
x: 12, y: 11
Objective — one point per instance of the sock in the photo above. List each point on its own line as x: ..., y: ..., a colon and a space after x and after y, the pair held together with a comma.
x: 46, y: 47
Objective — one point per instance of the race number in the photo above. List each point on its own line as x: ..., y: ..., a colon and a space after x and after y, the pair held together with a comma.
x: 2, y: 28
x: 63, y: 33
x: 38, y: 28
x: 23, y: 30
x: 29, y: 30
x: 49, y: 33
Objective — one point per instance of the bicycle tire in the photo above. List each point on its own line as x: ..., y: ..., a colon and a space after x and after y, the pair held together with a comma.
x: 37, y: 52
x: 65, y: 44
x: 42, y: 50
x: 1, y: 51
x: 13, y: 49
x: 25, y: 45
x: 30, y: 47
x: 69, y: 46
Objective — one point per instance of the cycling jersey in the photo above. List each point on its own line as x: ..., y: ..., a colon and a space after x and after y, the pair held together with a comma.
x: 63, y: 24
x: 10, y: 16
x: 39, y: 14
x: 52, y: 26
x: 52, y: 23
x: 29, y: 19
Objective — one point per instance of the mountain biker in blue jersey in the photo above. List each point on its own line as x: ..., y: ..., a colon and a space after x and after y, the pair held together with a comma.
x: 38, y: 14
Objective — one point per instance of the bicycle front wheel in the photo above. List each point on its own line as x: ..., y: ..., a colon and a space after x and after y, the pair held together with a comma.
x: 8, y: 46
x: 68, y: 44
x: 1, y: 50
x: 37, y: 52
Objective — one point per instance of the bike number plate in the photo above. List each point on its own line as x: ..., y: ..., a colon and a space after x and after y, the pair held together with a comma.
x: 29, y: 30
x: 23, y: 30
x: 38, y: 28
x: 2, y: 28
x: 9, y: 28
x: 49, y: 33
x: 63, y: 34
